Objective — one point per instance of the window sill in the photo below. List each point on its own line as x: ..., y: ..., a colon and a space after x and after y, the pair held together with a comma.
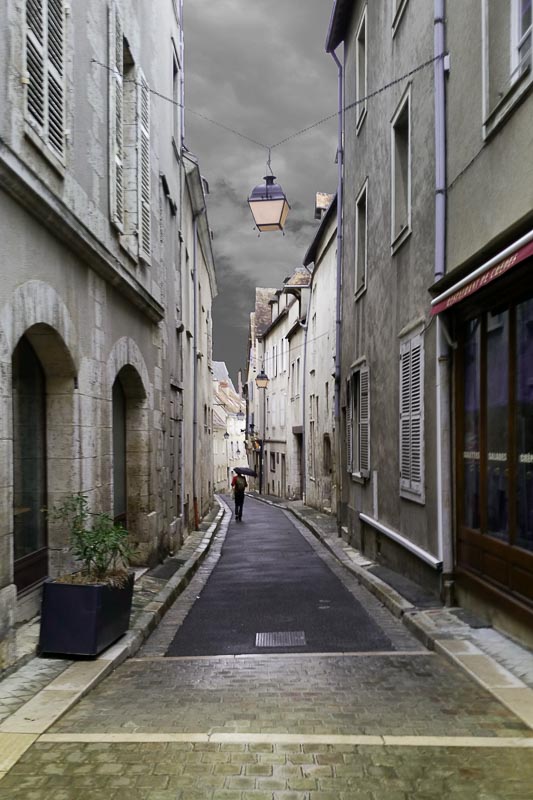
x: 413, y: 497
x: 44, y: 150
x: 404, y: 234
x: 357, y: 477
x: 507, y: 104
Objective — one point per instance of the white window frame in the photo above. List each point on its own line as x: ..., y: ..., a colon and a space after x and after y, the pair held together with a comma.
x: 311, y: 443
x: 358, y: 423
x: 360, y: 288
x: 518, y: 38
x: 46, y: 66
x: 361, y: 40
x: 519, y: 80
x: 398, y: 236
x: 411, y: 418
x: 398, y: 8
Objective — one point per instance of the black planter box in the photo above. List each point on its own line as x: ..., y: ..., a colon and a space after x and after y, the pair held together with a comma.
x: 82, y: 620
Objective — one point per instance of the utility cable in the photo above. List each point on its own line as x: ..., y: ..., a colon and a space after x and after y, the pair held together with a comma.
x: 300, y: 132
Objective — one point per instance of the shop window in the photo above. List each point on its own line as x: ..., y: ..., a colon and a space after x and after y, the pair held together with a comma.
x: 524, y: 424
x: 496, y: 426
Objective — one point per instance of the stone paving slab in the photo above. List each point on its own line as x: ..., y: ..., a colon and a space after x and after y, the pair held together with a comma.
x: 395, y: 694
x: 20, y: 686
x: 206, y: 771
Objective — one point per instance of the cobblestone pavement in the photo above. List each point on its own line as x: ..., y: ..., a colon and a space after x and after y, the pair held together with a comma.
x: 401, y: 725
x: 194, y: 771
x: 388, y: 694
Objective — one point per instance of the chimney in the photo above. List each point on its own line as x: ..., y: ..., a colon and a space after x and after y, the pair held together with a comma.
x: 322, y: 203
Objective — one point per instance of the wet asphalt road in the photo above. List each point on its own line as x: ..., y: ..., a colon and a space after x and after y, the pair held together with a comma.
x: 270, y: 580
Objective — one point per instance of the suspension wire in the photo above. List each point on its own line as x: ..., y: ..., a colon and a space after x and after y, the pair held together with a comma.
x: 271, y: 147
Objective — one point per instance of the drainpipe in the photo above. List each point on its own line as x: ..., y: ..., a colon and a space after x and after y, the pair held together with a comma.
x: 440, y: 140
x: 338, y: 329
x: 303, y: 466
x: 182, y: 78
x: 181, y: 193
x: 443, y: 361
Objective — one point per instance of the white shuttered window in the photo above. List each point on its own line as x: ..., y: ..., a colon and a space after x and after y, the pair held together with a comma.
x: 144, y: 172
x: 116, y: 118
x: 412, y: 418
x: 45, y: 67
x: 358, y: 424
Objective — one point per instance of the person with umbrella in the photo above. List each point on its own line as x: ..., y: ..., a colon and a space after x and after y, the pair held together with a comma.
x: 239, y: 484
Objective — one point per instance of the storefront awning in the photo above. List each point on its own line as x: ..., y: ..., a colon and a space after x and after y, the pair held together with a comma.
x: 485, y: 274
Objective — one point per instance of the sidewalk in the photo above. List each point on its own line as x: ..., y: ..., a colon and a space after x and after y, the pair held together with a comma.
x: 40, y: 690
x: 499, y: 664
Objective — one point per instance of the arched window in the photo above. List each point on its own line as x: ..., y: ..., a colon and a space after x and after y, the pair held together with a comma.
x: 29, y: 467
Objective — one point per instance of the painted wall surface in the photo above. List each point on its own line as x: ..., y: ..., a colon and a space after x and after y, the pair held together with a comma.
x: 321, y: 485
x: 395, y: 301
x: 91, y: 308
x: 490, y: 161
x: 276, y: 366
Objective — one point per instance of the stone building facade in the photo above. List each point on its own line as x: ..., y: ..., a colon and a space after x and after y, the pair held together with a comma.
x: 96, y: 313
x: 389, y: 504
x: 484, y: 304
x: 321, y: 485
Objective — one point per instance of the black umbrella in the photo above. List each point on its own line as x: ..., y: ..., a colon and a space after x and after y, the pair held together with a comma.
x: 245, y: 471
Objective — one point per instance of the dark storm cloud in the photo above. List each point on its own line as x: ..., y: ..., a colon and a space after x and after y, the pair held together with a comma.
x: 258, y: 67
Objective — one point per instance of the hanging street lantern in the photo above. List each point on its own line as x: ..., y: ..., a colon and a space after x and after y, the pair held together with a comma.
x: 261, y: 380
x: 269, y: 205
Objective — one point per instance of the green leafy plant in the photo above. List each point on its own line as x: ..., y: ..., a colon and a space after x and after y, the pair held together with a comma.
x: 99, y: 544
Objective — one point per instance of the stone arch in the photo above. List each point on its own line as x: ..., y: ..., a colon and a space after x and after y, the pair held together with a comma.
x: 126, y: 365
x: 36, y: 312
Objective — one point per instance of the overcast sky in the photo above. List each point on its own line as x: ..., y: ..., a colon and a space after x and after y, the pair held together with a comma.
x: 259, y: 67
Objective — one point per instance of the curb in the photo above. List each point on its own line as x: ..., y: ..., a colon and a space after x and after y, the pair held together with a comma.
x: 44, y: 709
x: 480, y: 667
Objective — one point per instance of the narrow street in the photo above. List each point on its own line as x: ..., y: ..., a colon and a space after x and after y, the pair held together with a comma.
x: 343, y: 702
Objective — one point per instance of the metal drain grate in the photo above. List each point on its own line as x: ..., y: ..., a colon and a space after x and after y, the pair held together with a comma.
x: 280, y: 639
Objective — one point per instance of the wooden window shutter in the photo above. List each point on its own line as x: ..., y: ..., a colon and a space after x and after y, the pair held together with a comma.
x: 55, y: 76
x: 35, y: 68
x: 405, y: 415
x: 116, y: 118
x: 45, y: 96
x: 364, y: 422
x: 349, y: 426
x: 412, y: 415
x: 144, y: 168
x: 417, y: 415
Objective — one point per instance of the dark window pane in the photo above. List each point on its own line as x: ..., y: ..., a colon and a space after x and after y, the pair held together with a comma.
x: 471, y: 425
x: 119, y: 452
x: 524, y: 423
x: 497, y: 424
x: 29, y: 451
